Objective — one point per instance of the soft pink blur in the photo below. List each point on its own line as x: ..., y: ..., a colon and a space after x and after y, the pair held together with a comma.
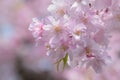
x: 16, y: 40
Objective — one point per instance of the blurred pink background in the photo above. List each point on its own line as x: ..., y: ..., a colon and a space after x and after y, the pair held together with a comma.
x: 16, y: 41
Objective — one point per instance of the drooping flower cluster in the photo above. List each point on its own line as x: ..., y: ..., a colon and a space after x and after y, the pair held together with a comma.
x: 76, y: 31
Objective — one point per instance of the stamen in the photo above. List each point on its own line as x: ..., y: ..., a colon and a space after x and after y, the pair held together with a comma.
x: 61, y: 12
x: 78, y: 32
x: 88, y: 52
x: 64, y: 47
x: 57, y: 29
x: 85, y: 20
x: 48, y: 46
x: 118, y: 16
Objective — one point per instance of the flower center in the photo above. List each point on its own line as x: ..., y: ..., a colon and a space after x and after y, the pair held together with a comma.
x: 57, y: 29
x: 88, y: 52
x: 64, y: 47
x: 61, y: 12
x: 48, y: 46
x: 85, y: 20
x: 118, y: 16
x: 78, y: 32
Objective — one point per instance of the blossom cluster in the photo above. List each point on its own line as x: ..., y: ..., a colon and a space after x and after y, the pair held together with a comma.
x: 76, y: 32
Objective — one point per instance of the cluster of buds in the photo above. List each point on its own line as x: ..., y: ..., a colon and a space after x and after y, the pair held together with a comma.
x: 76, y: 31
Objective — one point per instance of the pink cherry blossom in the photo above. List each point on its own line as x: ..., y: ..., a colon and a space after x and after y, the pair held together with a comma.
x: 76, y: 32
x: 37, y: 28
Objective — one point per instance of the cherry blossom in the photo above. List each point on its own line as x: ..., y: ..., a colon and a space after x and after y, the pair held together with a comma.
x: 76, y: 32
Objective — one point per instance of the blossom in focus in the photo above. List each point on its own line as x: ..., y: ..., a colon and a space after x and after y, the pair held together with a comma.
x: 37, y: 28
x: 76, y: 32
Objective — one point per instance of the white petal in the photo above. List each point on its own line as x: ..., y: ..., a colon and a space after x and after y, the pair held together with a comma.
x: 47, y: 27
x: 52, y: 8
